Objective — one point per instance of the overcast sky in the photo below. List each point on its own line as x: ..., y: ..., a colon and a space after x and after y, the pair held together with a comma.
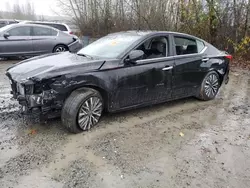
x: 42, y: 7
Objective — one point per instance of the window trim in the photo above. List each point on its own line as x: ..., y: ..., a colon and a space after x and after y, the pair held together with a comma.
x: 172, y: 57
x: 155, y: 60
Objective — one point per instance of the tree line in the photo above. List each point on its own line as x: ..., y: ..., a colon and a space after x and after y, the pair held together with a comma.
x: 19, y: 11
x: 224, y: 23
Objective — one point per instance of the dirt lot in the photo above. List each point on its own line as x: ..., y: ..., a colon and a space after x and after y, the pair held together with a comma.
x: 140, y: 148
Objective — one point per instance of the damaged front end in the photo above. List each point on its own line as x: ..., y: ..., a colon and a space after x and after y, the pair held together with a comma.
x: 36, y: 97
x: 42, y: 84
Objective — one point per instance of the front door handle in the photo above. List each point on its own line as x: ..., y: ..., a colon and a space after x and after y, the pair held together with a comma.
x: 167, y: 68
x: 205, y: 59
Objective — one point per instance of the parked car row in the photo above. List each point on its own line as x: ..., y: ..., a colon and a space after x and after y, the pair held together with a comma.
x: 4, y: 22
x: 60, y: 26
x: 24, y: 39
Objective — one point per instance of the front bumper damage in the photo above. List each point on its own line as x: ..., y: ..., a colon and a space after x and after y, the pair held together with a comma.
x: 39, y: 103
x: 46, y: 104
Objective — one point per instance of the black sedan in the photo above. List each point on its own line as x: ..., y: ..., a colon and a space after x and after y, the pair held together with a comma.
x: 118, y: 72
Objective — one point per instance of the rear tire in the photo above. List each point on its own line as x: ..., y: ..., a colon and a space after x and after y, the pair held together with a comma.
x: 82, y: 110
x: 210, y: 86
x: 60, y: 48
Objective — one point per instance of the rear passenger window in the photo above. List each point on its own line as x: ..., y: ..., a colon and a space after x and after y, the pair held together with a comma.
x: 200, y: 45
x: 185, y: 46
x: 41, y: 31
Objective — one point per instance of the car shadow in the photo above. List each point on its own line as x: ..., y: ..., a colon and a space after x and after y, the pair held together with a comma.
x: 110, y: 118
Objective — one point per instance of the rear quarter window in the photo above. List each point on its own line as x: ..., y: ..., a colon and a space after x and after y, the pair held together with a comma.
x: 59, y: 27
x: 200, y: 45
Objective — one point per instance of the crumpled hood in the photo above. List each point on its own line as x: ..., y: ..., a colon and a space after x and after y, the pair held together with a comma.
x: 51, y: 65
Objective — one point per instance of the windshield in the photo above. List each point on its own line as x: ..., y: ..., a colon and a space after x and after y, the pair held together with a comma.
x: 110, y: 46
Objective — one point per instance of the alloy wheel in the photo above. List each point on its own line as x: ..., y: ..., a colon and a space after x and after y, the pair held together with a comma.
x: 211, y: 85
x: 60, y: 49
x: 90, y: 113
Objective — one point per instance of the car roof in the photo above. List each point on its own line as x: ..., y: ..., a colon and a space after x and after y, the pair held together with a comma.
x: 152, y: 32
x: 45, y: 22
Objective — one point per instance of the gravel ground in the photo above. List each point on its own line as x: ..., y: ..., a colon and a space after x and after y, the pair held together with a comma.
x: 139, y: 148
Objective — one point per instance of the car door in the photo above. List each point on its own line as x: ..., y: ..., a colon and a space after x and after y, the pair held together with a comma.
x: 187, y: 74
x: 148, y: 80
x: 43, y: 39
x: 18, y: 42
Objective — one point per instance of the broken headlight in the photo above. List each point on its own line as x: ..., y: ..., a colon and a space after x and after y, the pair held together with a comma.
x: 20, y: 89
x: 29, y: 89
x: 24, y: 89
x: 41, y: 87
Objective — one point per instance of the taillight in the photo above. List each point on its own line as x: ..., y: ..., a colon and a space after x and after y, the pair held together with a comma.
x: 230, y: 57
x: 71, y: 32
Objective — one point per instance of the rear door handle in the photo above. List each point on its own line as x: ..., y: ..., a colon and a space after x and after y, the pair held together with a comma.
x: 167, y: 68
x: 205, y: 59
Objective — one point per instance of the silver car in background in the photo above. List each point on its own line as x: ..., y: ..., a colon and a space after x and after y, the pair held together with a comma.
x: 4, y: 22
x: 30, y: 39
x: 60, y: 26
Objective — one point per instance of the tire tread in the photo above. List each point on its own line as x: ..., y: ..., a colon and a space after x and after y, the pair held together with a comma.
x: 71, y: 107
x: 201, y: 94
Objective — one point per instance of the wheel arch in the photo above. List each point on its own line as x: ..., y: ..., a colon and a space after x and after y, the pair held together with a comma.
x: 102, y: 92
x: 219, y: 72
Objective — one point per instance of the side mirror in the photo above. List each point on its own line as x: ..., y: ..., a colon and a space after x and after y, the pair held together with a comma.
x: 6, y: 35
x: 135, y: 55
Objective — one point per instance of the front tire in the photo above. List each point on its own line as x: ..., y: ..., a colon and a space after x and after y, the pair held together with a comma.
x: 82, y: 110
x: 210, y: 86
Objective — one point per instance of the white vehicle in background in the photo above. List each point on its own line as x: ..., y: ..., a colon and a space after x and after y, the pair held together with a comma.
x: 4, y: 22
x: 60, y: 26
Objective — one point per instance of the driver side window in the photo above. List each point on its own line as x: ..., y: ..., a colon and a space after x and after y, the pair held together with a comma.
x: 156, y: 47
x: 20, y: 31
